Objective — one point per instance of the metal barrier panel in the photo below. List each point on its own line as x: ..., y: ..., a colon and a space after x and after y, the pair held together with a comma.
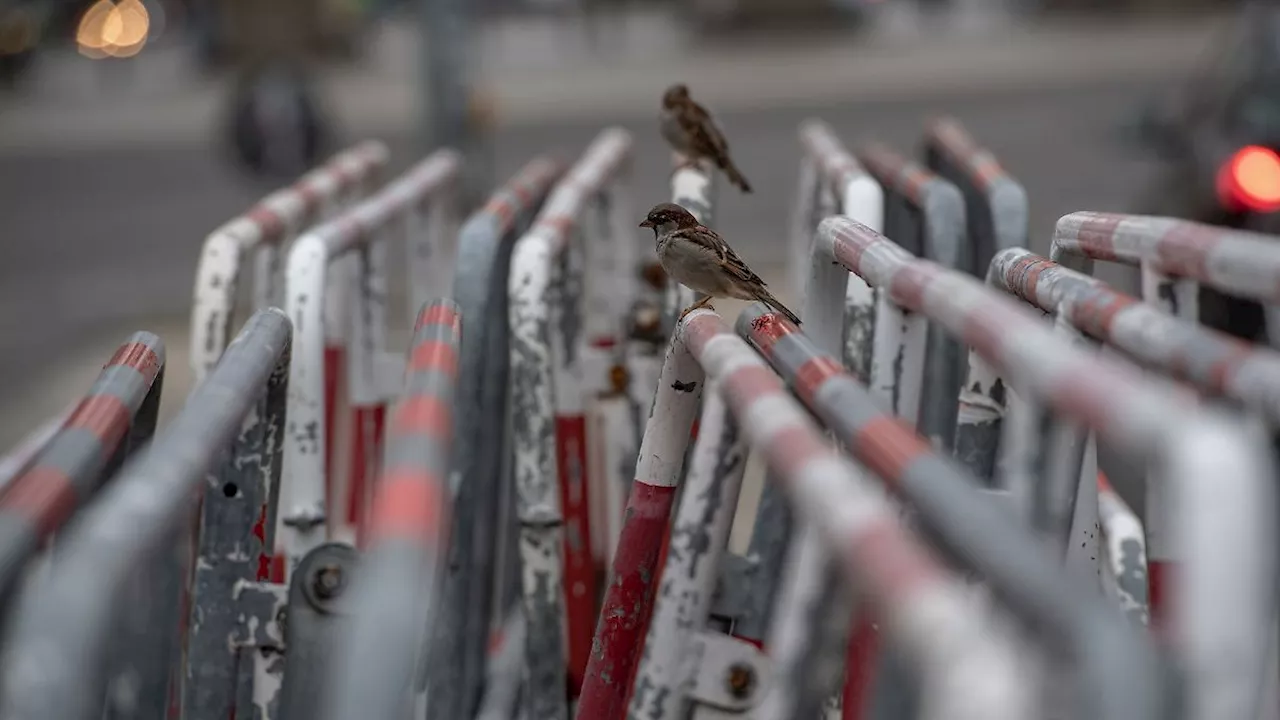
x: 1220, y: 606
x: 316, y: 503
x: 543, y: 290
x: 1119, y: 675
x: 997, y: 215
x: 58, y: 661
x: 115, y: 417
x: 926, y: 213
x: 925, y: 609
x: 398, y: 584
x: 480, y: 289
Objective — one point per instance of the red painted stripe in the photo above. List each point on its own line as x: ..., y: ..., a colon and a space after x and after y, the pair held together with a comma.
x: 1159, y: 583
x: 985, y: 333
x: 908, y: 285
x: 410, y: 505
x: 700, y: 329
x: 860, y: 668
x: 366, y: 459
x: 767, y: 329
x: 627, y: 604
x: 1184, y: 250
x: 1096, y: 314
x: 260, y: 532
x: 561, y: 225
x: 139, y: 357
x: 334, y: 362
x: 791, y: 448
x: 434, y: 355
x: 1096, y: 236
x: 1023, y: 277
x: 103, y: 415
x: 269, y: 223
x: 44, y: 496
x: 441, y: 314
x: 579, y: 560
x: 423, y: 415
x: 278, y: 566
x: 1222, y: 372
x: 895, y: 567
x: 749, y: 383
x: 887, y: 447
x: 812, y: 374
x: 848, y: 249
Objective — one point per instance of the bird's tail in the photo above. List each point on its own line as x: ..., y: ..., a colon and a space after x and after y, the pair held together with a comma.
x: 768, y: 299
x: 736, y: 178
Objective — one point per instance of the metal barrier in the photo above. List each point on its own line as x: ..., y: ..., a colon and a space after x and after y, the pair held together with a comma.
x: 926, y: 213
x: 1214, y: 632
x: 67, y: 635
x: 967, y: 661
x: 265, y: 230
x: 1118, y: 672
x: 398, y: 585
x: 554, y: 368
x: 320, y: 501
x: 64, y: 471
x: 481, y: 507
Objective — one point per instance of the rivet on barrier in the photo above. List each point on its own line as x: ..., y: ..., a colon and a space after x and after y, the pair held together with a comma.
x: 397, y: 598
x: 926, y: 213
x: 480, y: 523
x: 319, y: 500
x: 550, y: 448
x: 1219, y: 606
x: 1119, y: 675
x: 57, y: 662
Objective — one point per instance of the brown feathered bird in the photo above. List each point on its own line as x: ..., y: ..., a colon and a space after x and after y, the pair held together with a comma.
x: 688, y: 127
x: 697, y: 257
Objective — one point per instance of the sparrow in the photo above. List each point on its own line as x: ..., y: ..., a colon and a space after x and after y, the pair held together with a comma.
x: 700, y: 259
x: 689, y: 129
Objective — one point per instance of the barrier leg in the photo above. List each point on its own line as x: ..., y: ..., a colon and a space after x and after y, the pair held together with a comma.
x: 698, y: 539
x: 1125, y: 551
x: 629, y: 597
x: 898, y: 359
x: 978, y: 421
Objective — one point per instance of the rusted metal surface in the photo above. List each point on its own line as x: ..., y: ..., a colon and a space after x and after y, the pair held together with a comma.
x: 628, y: 601
x: 480, y: 289
x: 971, y: 667
x: 697, y: 547
x: 926, y: 213
x: 1143, y: 419
x: 264, y: 231
x: 398, y: 597
x: 57, y: 661
x: 531, y: 292
x: 307, y: 515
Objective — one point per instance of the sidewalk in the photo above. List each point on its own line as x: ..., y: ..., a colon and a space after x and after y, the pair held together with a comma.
x: 541, y: 72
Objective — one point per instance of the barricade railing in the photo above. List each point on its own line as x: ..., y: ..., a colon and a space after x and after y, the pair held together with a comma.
x: 1124, y: 552
x: 1220, y: 606
x: 567, y: 306
x: 1118, y: 673
x: 482, y: 507
x: 1175, y: 256
x: 320, y: 501
x: 74, y: 633
x: 926, y: 213
x: 996, y: 213
x: 397, y: 595
x: 64, y: 466
x: 966, y: 659
x: 265, y: 231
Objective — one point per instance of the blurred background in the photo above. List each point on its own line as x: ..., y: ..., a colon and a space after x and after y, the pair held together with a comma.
x: 129, y: 129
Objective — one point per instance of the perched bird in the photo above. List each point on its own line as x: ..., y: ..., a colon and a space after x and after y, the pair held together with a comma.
x: 698, y: 258
x: 688, y: 127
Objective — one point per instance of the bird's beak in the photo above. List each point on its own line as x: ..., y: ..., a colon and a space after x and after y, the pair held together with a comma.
x: 647, y: 224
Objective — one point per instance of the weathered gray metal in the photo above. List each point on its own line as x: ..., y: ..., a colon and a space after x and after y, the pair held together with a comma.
x: 318, y: 609
x: 1119, y: 675
x: 926, y: 214
x: 397, y: 596
x: 480, y: 289
x: 56, y: 664
x: 1219, y: 606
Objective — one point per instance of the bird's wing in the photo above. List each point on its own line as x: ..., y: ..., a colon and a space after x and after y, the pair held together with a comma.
x: 711, y: 241
x: 705, y: 132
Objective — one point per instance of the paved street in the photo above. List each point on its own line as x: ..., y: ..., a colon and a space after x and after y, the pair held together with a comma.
x: 101, y: 236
